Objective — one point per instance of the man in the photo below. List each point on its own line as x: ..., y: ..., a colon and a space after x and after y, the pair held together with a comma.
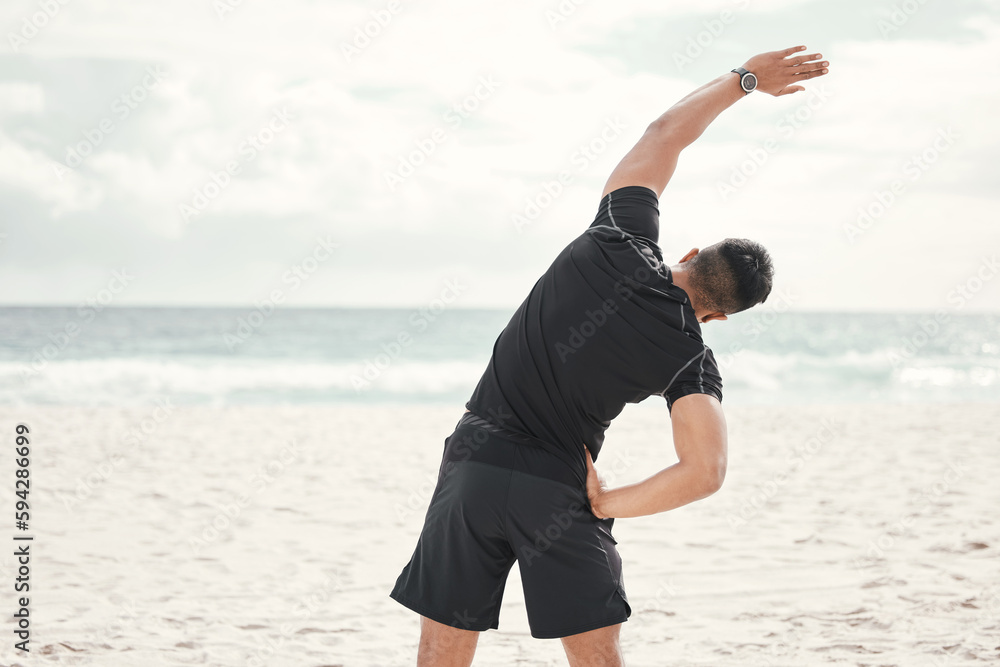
x: 607, y: 324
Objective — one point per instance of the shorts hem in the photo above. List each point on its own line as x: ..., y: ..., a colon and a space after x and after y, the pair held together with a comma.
x: 435, y: 616
x: 575, y: 630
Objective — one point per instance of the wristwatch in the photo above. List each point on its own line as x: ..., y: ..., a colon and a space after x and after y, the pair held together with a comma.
x: 748, y: 81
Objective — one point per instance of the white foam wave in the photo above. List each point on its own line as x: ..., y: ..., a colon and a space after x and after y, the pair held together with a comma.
x: 755, y: 375
x: 137, y: 379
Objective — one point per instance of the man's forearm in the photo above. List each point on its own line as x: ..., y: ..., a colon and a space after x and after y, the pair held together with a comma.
x: 668, y: 489
x: 684, y: 122
x: 652, y: 161
x: 700, y: 438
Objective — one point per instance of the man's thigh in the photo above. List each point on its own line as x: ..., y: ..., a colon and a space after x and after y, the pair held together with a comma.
x: 570, y: 568
x: 458, y: 570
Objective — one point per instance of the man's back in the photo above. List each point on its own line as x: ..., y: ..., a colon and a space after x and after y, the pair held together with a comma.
x: 604, y: 326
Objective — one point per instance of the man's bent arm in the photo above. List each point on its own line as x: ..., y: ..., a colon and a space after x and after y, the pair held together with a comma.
x: 699, y: 429
x: 652, y: 161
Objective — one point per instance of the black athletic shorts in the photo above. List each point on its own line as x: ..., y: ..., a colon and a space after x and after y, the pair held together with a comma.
x: 501, y: 497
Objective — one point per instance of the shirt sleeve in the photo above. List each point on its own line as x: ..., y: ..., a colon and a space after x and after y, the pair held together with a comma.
x: 633, y: 210
x: 699, y: 376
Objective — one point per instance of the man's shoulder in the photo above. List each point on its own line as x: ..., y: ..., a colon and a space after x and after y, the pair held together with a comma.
x: 631, y: 190
x: 631, y: 211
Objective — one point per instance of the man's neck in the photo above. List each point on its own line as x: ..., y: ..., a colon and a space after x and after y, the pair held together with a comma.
x: 682, y: 280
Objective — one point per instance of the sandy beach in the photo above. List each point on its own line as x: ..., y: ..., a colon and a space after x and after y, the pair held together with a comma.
x: 843, y: 535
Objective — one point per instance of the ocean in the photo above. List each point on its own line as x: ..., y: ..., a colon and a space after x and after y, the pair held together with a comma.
x: 227, y: 356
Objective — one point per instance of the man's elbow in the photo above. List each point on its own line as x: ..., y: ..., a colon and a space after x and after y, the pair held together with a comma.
x: 711, y: 476
x: 668, y: 132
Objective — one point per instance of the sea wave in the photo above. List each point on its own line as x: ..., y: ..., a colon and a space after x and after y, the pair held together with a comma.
x: 751, y: 376
x: 128, y: 381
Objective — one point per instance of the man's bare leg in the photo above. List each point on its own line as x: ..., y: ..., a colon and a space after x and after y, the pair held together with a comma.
x: 597, y: 648
x: 445, y: 646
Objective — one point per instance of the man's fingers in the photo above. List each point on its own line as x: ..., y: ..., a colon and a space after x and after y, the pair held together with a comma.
x: 795, y: 62
x: 811, y: 65
x: 809, y: 74
x: 790, y: 50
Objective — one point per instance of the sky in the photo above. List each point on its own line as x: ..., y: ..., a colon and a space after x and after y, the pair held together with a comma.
x: 388, y: 153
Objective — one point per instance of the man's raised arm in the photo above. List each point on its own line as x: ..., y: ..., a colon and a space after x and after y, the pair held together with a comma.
x: 652, y: 161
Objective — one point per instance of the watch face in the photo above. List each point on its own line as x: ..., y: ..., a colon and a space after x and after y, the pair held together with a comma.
x: 749, y: 81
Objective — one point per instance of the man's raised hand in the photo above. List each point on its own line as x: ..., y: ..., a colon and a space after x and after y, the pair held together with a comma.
x: 779, y: 72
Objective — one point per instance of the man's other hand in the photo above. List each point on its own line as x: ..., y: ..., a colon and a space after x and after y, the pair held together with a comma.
x: 595, y: 485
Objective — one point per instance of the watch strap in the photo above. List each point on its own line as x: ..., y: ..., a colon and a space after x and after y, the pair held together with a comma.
x: 742, y: 71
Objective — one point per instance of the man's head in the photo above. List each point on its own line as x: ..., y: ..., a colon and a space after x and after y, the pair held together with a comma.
x: 725, y: 278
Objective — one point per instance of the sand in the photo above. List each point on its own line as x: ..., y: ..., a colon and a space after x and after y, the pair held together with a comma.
x: 843, y: 535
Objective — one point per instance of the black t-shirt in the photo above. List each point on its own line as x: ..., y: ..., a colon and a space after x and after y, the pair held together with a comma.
x: 605, y: 325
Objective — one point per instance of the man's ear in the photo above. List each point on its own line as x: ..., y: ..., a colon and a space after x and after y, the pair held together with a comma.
x: 691, y: 253
x: 714, y: 316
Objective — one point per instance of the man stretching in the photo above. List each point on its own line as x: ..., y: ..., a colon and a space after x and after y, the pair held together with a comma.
x: 608, y: 323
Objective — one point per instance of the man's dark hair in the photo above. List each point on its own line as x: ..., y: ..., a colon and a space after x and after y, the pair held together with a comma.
x: 732, y: 275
